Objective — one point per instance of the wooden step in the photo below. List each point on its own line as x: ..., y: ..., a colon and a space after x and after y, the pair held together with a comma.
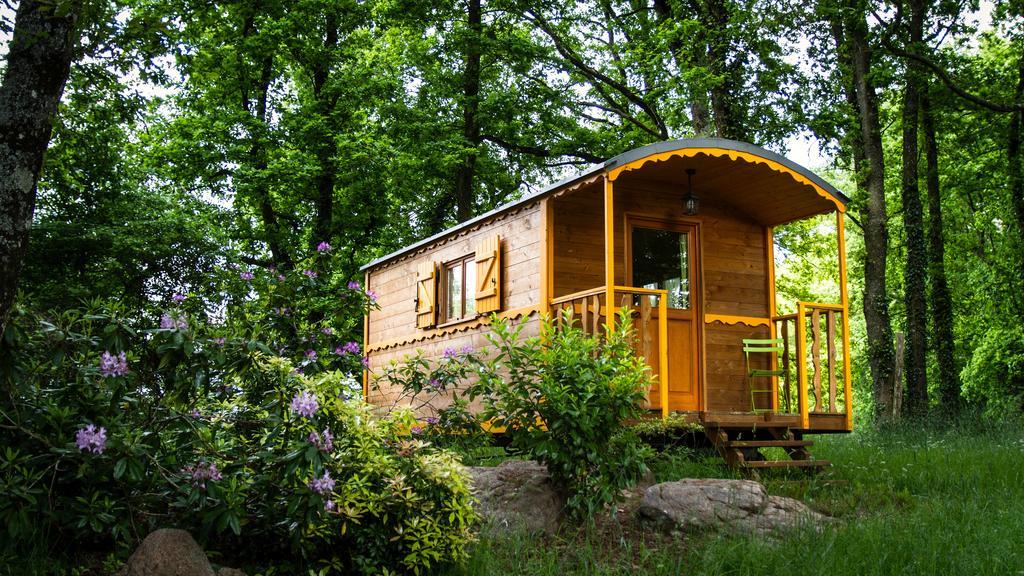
x: 768, y: 443
x: 785, y: 464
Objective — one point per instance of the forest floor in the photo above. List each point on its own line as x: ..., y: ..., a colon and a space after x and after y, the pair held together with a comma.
x: 909, y: 500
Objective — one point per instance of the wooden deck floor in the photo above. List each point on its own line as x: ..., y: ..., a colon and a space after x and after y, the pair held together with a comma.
x: 819, y: 423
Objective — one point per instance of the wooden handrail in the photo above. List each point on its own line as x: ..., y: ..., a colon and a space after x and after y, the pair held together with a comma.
x: 592, y: 314
x: 813, y: 356
x: 637, y: 290
x: 578, y: 295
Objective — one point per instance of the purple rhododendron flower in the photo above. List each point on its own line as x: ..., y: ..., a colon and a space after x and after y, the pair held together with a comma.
x: 246, y: 275
x: 328, y: 331
x: 219, y: 341
x: 178, y: 297
x: 89, y: 439
x: 111, y: 365
x: 353, y: 285
x: 349, y: 348
x: 432, y: 420
x: 330, y: 506
x: 322, y: 485
x: 416, y: 430
x: 305, y: 404
x: 280, y: 277
x: 168, y: 322
x: 324, y: 442
x: 466, y: 350
x: 434, y: 384
x: 372, y: 295
x: 323, y: 247
x: 202, y: 473
x: 311, y: 354
x: 449, y: 353
x: 309, y: 273
x: 366, y: 361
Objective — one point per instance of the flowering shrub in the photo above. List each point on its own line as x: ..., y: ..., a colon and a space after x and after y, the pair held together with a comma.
x: 115, y: 423
x: 565, y: 398
x: 436, y: 392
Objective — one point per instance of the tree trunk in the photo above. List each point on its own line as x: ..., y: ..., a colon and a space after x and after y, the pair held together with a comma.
x: 257, y: 155
x: 876, y: 236
x: 323, y: 224
x: 941, y: 301
x: 915, y: 268
x: 466, y: 173
x: 728, y: 117
x: 1013, y: 157
x: 700, y: 119
x: 38, y: 65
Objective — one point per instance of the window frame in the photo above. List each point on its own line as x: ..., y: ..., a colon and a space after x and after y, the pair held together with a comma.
x: 468, y: 292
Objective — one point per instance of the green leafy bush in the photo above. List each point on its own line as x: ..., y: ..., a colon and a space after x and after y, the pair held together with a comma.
x: 564, y: 398
x: 995, y: 373
x: 248, y: 433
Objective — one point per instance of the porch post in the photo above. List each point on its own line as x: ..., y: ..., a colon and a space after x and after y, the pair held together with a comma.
x: 609, y: 249
x: 770, y: 251
x: 366, y: 342
x: 547, y: 260
x: 844, y: 300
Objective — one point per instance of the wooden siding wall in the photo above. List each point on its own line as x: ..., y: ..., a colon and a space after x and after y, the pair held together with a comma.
x: 393, y: 334
x: 578, y: 240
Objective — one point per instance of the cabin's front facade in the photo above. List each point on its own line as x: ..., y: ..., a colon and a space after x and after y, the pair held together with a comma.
x: 699, y: 278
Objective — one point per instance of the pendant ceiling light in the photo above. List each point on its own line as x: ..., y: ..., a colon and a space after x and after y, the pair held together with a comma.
x: 690, y: 202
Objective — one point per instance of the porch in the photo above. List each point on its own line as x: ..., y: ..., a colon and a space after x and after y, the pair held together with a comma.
x: 682, y: 235
x: 809, y: 397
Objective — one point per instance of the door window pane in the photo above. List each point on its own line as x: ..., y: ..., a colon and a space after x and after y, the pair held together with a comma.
x: 661, y: 261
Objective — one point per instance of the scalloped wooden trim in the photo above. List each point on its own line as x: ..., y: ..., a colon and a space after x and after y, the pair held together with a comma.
x: 513, y: 314
x: 733, y: 155
x: 751, y: 321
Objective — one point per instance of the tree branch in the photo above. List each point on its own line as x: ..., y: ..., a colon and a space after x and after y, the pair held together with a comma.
x: 541, y: 152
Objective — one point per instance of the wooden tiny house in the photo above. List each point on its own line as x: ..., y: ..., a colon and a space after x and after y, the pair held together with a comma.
x: 695, y: 266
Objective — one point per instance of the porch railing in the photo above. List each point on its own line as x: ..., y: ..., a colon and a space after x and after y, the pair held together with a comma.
x: 822, y: 379
x: 589, y: 308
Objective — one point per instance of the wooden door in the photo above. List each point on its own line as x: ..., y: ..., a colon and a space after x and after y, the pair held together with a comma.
x: 664, y: 255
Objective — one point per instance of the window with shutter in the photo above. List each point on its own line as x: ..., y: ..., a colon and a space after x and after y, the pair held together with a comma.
x: 488, y: 275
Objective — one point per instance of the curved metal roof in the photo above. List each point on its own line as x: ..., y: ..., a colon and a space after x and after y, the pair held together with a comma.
x: 617, y: 161
x: 724, y: 144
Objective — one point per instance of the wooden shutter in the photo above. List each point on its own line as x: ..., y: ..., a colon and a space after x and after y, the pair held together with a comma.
x: 488, y: 275
x: 426, y: 290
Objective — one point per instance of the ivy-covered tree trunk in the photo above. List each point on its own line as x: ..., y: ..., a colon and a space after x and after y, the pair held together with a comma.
x: 1013, y: 156
x: 38, y: 64
x: 466, y: 172
x: 881, y: 355
x: 941, y: 301
x: 915, y: 268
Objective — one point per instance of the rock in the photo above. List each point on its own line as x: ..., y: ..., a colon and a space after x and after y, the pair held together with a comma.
x: 517, y: 494
x: 740, y: 506
x: 168, y: 552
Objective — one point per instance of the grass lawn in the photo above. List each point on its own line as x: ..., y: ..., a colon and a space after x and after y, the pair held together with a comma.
x: 913, y: 500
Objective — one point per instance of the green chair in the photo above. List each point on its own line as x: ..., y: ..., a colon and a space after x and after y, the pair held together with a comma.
x: 773, y: 347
